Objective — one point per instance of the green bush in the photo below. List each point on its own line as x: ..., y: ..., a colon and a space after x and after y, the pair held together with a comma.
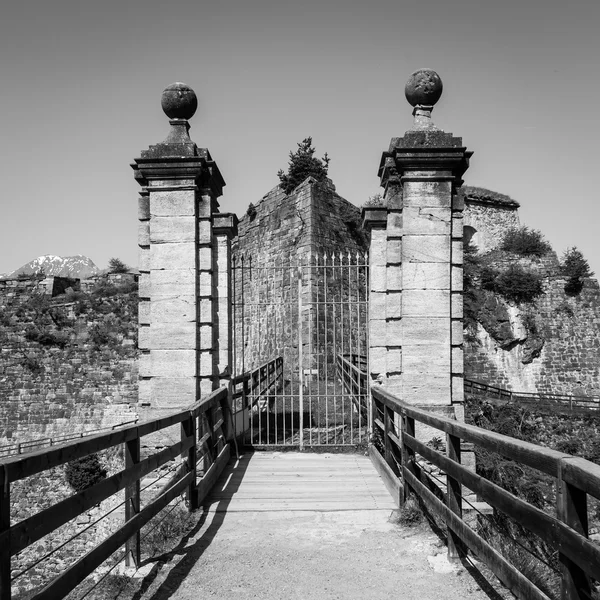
x: 85, y: 472
x: 514, y: 283
x: 525, y: 241
x: 303, y: 164
x: 575, y: 268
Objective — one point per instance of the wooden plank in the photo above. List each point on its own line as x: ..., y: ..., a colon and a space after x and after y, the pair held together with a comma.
x: 511, y: 577
x: 132, y: 502
x: 74, y: 575
x: 37, y: 526
x: 454, y: 497
x: 390, y: 480
x: 583, y: 474
x: 4, y: 530
x: 210, y: 477
x: 571, y: 508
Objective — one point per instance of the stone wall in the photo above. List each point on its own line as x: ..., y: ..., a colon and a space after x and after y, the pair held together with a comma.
x: 487, y: 216
x: 568, y: 330
x: 275, y: 236
x: 75, y: 377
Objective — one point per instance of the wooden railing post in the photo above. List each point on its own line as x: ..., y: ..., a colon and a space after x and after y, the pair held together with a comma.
x: 132, y: 502
x: 4, y: 526
x: 455, y: 547
x: 571, y: 508
x: 388, y: 415
x: 408, y: 454
x: 188, y: 429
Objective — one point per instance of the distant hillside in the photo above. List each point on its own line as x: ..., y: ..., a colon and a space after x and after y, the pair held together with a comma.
x: 77, y: 267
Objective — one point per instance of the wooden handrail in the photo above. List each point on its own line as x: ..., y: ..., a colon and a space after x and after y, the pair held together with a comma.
x: 205, y: 431
x: 567, y: 531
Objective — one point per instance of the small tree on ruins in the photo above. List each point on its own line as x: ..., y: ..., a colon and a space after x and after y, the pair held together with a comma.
x: 116, y: 265
x: 303, y: 164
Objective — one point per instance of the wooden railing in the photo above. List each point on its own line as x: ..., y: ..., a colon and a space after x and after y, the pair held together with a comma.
x: 354, y: 381
x: 549, y: 402
x: 205, y: 430
x: 400, y: 463
x: 252, y: 388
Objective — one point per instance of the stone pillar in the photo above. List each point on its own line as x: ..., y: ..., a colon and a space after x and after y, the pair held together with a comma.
x: 224, y: 230
x: 177, y: 291
x: 422, y: 250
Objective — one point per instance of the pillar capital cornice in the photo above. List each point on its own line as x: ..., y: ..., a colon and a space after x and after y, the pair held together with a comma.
x: 225, y: 224
x: 374, y: 217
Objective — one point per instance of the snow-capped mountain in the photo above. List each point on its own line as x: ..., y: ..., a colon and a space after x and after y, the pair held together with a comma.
x: 77, y: 267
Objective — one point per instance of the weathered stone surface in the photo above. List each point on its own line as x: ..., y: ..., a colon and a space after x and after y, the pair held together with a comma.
x: 457, y: 361
x: 393, y: 308
x: 427, y: 361
x: 433, y: 276
x: 173, y: 392
x: 180, y: 203
x: 144, y: 288
x: 457, y: 252
x: 457, y: 333
x: 426, y: 221
x: 394, y: 251
x: 426, y: 303
x: 425, y: 194
x: 205, y: 258
x: 144, y: 233
x: 422, y: 248
x: 143, y: 207
x: 172, y: 230
x: 165, y: 309
x: 144, y: 312
x: 174, y: 335
x: 378, y: 278
x: 428, y: 331
x: 172, y: 283
x: 425, y: 330
x: 168, y: 255
x: 433, y: 389
x: 394, y: 278
x: 173, y: 363
x: 394, y: 360
x: 393, y: 332
x: 457, y: 279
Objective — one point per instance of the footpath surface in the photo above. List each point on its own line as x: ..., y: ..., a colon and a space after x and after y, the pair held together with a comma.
x: 307, y: 526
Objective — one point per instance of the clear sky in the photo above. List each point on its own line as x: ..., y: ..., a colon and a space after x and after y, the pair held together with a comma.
x: 81, y: 83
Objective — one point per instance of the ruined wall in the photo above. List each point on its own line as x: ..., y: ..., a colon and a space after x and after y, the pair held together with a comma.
x: 274, y: 237
x: 76, y: 376
x: 568, y: 331
x: 490, y: 214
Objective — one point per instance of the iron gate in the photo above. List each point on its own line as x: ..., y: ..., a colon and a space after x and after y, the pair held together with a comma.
x: 305, y: 314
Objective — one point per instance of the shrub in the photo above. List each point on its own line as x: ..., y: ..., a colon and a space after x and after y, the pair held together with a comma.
x: 410, y: 514
x: 525, y: 241
x: 302, y: 165
x: 376, y: 200
x: 85, y: 472
x: 575, y: 267
x: 515, y: 283
x: 166, y: 531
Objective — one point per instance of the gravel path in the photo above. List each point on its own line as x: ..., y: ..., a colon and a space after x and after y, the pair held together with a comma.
x: 328, y: 553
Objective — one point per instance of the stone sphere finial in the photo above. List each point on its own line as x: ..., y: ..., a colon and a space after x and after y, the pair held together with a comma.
x: 179, y: 101
x: 423, y: 88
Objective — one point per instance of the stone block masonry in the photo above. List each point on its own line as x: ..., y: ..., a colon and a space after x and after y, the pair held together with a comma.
x: 184, y: 321
x: 277, y: 234
x: 416, y: 344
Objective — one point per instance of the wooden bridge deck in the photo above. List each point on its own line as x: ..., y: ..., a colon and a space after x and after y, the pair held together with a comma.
x: 298, y: 526
x: 284, y: 481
